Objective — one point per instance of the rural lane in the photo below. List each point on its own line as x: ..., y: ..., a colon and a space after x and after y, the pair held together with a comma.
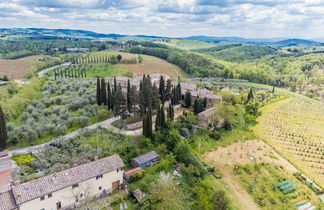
x: 43, y: 72
x: 103, y: 124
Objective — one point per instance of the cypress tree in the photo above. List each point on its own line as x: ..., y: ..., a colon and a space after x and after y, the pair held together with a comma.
x: 162, y: 89
x: 196, y: 106
x: 168, y: 90
x: 273, y: 89
x: 171, y: 112
x: 179, y: 91
x: 129, y: 103
x: 149, y: 123
x: 115, y: 85
x: 109, y: 97
x: 250, y: 95
x: 188, y: 99
x: 3, y: 131
x: 103, y: 93
x: 163, y: 122
x: 98, y: 92
x: 55, y: 74
x: 158, y: 119
x: 144, y: 132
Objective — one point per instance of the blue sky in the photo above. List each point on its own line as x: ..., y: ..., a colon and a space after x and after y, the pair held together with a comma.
x: 174, y: 18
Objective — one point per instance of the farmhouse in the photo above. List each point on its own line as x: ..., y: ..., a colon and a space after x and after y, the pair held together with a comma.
x: 205, y: 118
x: 66, y: 189
x: 145, y: 160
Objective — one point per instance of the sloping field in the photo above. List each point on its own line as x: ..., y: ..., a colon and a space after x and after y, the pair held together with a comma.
x: 99, y: 68
x: 16, y: 68
x: 294, y: 126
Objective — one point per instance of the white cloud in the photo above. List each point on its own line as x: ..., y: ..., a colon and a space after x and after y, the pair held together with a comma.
x: 249, y: 18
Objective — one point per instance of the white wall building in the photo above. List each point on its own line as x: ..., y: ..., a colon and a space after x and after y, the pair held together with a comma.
x: 66, y: 189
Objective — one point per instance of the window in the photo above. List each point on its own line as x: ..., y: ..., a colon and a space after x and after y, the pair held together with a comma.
x: 42, y: 198
x: 75, y: 185
x: 98, y: 177
x: 99, y: 188
x: 81, y: 195
x: 119, y: 169
x: 50, y: 195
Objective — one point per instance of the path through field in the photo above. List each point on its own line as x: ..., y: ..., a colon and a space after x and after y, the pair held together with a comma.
x: 43, y: 72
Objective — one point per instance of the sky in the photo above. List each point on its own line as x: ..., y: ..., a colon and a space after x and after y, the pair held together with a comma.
x: 172, y: 18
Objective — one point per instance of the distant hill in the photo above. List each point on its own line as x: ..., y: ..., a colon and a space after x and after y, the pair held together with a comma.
x: 274, y: 42
x: 84, y: 34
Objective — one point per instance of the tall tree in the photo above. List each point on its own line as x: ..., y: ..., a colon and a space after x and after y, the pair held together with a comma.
x: 115, y: 85
x: 158, y: 119
x: 168, y: 90
x: 109, y: 97
x: 119, y: 57
x: 98, y: 92
x: 129, y: 104
x: 155, y: 97
x: 133, y: 98
x: 188, y: 99
x: 120, y: 106
x: 103, y: 92
x: 3, y: 131
x: 171, y: 112
x: 250, y: 95
x: 149, y: 123
x: 162, y: 116
x: 162, y: 89
x: 179, y: 93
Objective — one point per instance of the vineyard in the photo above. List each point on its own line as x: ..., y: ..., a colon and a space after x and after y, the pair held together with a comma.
x: 294, y: 127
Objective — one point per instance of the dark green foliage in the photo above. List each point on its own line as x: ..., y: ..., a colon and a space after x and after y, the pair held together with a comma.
x: 129, y: 104
x: 110, y: 99
x: 199, y: 105
x: 220, y: 200
x: 238, y: 53
x: 103, y: 92
x: 188, y: 99
x: 171, y: 112
x: 163, y: 121
x: 155, y: 97
x: 178, y: 91
x: 115, y: 85
x: 147, y: 124
x: 3, y: 131
x: 119, y: 57
x: 98, y: 96
x: 162, y: 89
x: 273, y: 89
x: 168, y: 90
x: 158, y: 119
x: 120, y: 106
x: 250, y: 95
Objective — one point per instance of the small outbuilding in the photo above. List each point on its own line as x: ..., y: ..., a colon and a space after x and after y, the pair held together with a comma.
x: 146, y: 160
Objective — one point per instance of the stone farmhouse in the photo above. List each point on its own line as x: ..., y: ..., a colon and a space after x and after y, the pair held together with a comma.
x: 66, y: 189
x: 185, y: 87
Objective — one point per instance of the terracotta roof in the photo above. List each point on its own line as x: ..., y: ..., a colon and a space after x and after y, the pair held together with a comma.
x: 48, y: 184
x: 7, y: 201
x: 146, y: 157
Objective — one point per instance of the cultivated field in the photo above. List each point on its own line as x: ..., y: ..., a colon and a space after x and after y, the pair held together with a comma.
x: 249, y: 169
x: 294, y: 127
x: 17, y: 68
x: 97, y: 65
